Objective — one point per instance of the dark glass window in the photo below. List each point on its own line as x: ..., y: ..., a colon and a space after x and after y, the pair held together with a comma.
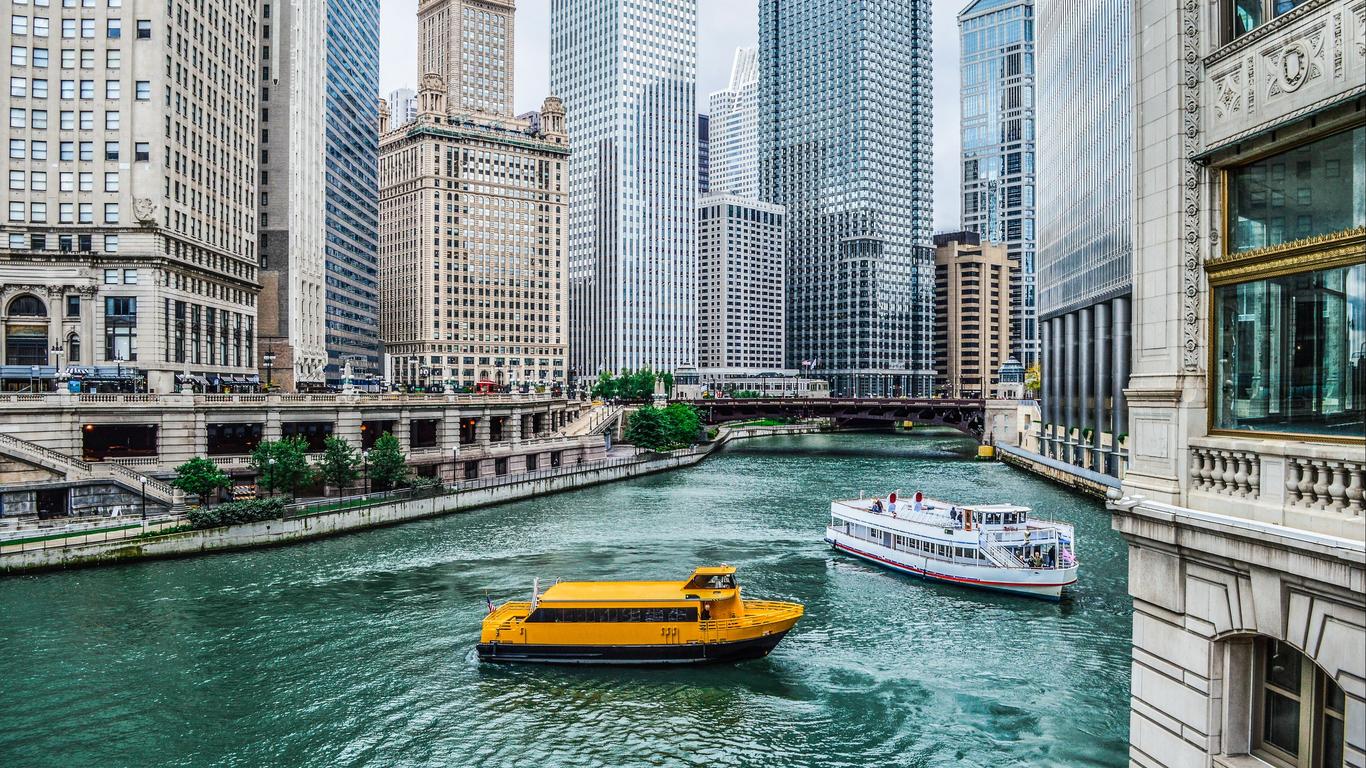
x: 612, y: 615
x: 1311, y: 190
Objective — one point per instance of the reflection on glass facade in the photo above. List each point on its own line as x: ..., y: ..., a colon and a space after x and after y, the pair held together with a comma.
x: 998, y: 147
x: 846, y: 145
x: 1315, y: 189
x: 352, y: 160
x: 1290, y: 354
x: 1085, y: 146
x: 735, y: 129
x: 627, y: 70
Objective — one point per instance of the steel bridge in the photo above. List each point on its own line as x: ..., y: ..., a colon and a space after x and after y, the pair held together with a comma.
x: 966, y: 416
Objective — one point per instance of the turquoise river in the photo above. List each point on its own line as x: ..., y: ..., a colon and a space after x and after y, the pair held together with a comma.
x: 359, y: 650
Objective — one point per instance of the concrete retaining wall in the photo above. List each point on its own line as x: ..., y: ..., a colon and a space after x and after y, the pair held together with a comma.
x: 1076, y: 478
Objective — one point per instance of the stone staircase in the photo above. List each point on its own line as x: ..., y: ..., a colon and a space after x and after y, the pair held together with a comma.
x: 594, y: 421
x: 71, y: 468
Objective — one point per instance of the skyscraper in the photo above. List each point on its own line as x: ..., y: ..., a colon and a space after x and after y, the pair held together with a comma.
x: 703, y: 154
x: 998, y: 147
x: 129, y: 247
x: 470, y: 44
x: 626, y: 70
x: 735, y: 129
x: 292, y: 235
x: 740, y: 283
x: 402, y: 106
x: 846, y: 147
x: 1085, y: 214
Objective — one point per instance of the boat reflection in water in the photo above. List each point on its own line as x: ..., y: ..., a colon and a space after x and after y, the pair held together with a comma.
x: 700, y: 620
x: 994, y: 546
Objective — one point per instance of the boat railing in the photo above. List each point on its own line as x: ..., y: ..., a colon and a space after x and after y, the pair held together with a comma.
x: 757, y: 612
x: 1000, y: 547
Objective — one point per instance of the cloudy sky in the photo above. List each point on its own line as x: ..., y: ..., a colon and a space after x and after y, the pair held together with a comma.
x: 723, y: 26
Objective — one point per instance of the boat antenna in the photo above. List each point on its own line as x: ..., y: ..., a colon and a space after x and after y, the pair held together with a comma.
x: 535, y: 592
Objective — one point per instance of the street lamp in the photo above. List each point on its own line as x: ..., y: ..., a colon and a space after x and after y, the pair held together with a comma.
x: 57, y: 351
x: 412, y: 372
x: 143, y: 479
x: 365, y: 470
x: 268, y: 360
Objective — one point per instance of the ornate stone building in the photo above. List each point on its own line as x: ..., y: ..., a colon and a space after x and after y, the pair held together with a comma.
x: 1243, y: 501
x: 128, y: 250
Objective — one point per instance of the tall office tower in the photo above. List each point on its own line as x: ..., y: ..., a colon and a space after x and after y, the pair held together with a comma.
x: 402, y: 106
x: 627, y: 70
x: 735, y: 129
x: 1085, y: 144
x: 472, y: 211
x: 998, y: 147
x: 740, y: 280
x: 351, y: 162
x: 1243, y: 504
x: 470, y: 44
x: 292, y: 232
x: 847, y: 148
x: 703, y: 154
x: 130, y: 240
x: 972, y: 314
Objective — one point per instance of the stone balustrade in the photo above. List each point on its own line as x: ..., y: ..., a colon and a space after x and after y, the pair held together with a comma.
x: 1319, y: 487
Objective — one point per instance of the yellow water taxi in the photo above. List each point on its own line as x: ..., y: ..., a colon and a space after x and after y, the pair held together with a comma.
x: 702, y: 619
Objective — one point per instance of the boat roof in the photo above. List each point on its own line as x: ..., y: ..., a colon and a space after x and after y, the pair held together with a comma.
x: 933, y: 504
x: 714, y: 570
x: 627, y: 591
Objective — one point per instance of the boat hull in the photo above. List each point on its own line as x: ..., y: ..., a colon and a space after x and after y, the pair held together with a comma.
x: 991, y: 579
x: 633, y: 655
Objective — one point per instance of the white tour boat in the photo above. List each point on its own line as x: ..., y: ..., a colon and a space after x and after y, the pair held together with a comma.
x: 992, y: 546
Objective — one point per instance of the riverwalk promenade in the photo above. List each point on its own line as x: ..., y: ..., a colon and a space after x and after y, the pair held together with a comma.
x: 169, y: 535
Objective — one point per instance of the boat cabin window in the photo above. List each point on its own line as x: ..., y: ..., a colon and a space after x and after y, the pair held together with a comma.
x: 715, y: 581
x: 610, y: 615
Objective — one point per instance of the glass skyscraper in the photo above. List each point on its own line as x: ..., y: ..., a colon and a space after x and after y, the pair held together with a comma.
x: 351, y: 157
x: 1086, y: 147
x: 998, y: 148
x: 735, y: 129
x: 846, y: 145
x: 626, y: 70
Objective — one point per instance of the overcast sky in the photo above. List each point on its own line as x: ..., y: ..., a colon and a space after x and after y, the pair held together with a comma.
x: 723, y: 26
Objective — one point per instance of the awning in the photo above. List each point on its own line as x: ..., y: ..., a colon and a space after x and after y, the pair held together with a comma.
x: 26, y: 372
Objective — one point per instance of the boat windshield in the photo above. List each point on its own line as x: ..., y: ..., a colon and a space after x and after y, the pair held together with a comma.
x: 715, y: 581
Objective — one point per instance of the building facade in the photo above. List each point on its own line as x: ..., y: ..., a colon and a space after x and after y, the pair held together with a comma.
x: 470, y: 44
x: 846, y: 148
x: 972, y: 329
x: 703, y: 155
x: 292, y: 233
x: 627, y: 71
x: 352, y: 214
x: 483, y: 298
x: 740, y: 283
x: 1085, y: 214
x: 402, y: 107
x: 1243, y: 501
x: 998, y: 148
x: 130, y: 235
x: 735, y: 128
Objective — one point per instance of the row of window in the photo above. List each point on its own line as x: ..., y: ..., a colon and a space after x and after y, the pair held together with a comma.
x: 67, y: 213
x: 19, y: 241
x: 611, y: 615
x: 73, y: 28
x: 73, y: 150
x: 19, y: 87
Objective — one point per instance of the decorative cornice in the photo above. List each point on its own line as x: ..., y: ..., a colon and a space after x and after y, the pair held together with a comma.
x: 1322, y: 252
x: 1315, y: 242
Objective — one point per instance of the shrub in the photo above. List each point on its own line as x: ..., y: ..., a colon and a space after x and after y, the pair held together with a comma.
x: 201, y: 477
x: 236, y: 512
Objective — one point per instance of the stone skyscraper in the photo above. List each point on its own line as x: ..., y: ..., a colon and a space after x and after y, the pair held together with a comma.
x: 735, y: 129
x: 129, y: 247
x: 998, y: 148
x: 846, y: 147
x: 626, y: 70
x: 319, y: 194
x: 470, y: 44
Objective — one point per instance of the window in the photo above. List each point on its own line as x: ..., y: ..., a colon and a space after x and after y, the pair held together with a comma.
x: 39, y: 118
x: 111, y: 216
x: 18, y: 56
x: 18, y: 118
x: 142, y: 151
x: 114, y: 28
x: 1299, y: 718
x: 1287, y: 196
x: 73, y: 306
x: 113, y: 58
x: 111, y: 181
x: 1287, y: 353
x: 18, y: 25
x: 112, y: 89
x: 18, y: 86
x: 1243, y: 16
x: 144, y: 29
x: 143, y: 90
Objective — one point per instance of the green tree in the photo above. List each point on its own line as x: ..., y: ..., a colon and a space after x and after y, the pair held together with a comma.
x: 282, y: 465
x: 1033, y: 378
x: 339, y: 463
x: 388, y: 465
x: 647, y: 429
x: 643, y: 384
x: 201, y: 477
x: 605, y: 387
x: 668, y: 383
x: 682, y: 424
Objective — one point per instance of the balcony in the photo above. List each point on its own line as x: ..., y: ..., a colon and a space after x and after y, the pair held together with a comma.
x: 1318, y: 487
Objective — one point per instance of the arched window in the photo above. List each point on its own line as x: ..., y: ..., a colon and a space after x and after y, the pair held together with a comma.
x: 1299, y: 711
x: 73, y: 349
x: 27, y: 305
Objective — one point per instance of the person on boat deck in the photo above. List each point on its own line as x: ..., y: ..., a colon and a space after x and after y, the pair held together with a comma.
x: 954, y: 514
x: 877, y: 506
x: 1036, y: 560
x: 706, y: 612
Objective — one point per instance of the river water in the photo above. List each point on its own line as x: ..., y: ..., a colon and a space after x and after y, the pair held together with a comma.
x: 358, y: 650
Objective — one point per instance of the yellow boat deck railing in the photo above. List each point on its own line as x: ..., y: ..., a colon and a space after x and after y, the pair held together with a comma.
x: 757, y: 613
x: 509, y: 611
